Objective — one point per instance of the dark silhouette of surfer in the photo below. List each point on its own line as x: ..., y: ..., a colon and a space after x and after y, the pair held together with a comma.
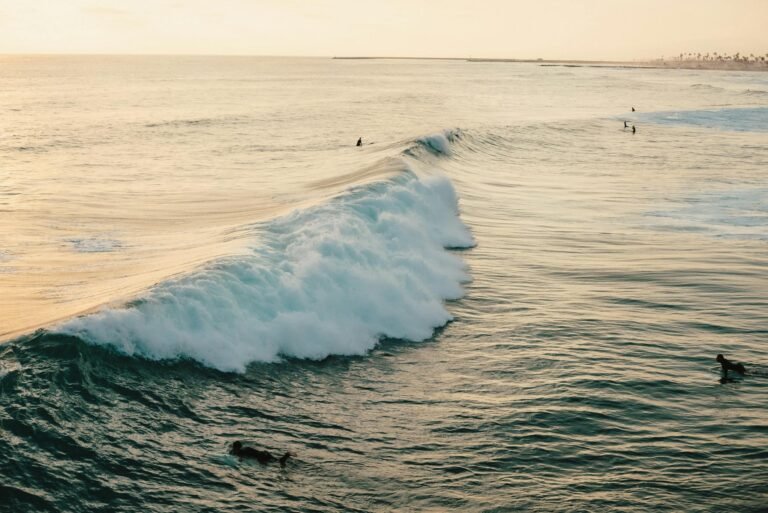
x: 359, y: 141
x: 727, y: 365
x: 262, y: 457
x: 625, y: 125
x: 633, y: 109
x: 633, y: 129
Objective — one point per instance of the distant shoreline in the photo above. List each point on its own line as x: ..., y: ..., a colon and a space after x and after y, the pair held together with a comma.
x: 658, y: 64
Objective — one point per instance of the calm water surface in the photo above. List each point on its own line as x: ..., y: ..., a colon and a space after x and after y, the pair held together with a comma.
x: 503, y: 301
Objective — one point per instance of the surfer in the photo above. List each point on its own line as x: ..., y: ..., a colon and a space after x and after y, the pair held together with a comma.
x: 633, y: 129
x: 633, y: 109
x: 359, y: 141
x: 727, y: 365
x: 262, y: 457
x: 625, y: 125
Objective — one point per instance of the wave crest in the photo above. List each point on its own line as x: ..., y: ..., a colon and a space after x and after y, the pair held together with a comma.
x: 439, y: 143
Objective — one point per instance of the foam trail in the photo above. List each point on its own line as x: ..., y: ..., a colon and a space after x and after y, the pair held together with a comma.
x: 750, y: 119
x: 333, y: 279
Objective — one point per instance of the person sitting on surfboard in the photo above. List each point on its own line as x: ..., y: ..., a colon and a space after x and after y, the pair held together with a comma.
x: 729, y: 365
x: 359, y: 142
x: 262, y: 457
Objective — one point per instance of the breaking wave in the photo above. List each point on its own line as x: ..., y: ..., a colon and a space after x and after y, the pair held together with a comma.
x: 332, y: 279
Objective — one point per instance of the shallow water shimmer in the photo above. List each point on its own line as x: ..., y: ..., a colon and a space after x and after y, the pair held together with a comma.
x: 504, y: 301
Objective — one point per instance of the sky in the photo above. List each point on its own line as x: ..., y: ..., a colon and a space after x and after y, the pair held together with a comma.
x: 548, y: 29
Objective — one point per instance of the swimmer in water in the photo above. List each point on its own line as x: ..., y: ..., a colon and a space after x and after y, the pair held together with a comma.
x: 359, y: 141
x: 262, y: 457
x: 727, y: 365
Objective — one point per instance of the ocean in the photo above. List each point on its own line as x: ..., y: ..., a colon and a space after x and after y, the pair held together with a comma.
x: 503, y: 301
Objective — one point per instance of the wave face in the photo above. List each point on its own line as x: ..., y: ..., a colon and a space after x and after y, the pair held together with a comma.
x: 333, y: 279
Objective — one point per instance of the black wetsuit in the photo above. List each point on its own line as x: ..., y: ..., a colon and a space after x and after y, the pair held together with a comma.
x: 262, y: 457
x: 729, y: 365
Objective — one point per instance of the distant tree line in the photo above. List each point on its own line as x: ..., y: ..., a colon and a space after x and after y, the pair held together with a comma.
x: 717, y: 60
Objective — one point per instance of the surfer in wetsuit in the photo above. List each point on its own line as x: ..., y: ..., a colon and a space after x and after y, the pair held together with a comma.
x: 633, y: 109
x: 727, y: 365
x: 359, y: 141
x: 262, y: 457
x: 633, y: 129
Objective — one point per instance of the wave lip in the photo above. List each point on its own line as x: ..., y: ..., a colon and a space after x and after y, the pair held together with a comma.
x: 333, y: 279
x: 439, y: 143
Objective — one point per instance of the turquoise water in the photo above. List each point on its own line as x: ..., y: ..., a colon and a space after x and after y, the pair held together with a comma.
x: 503, y: 301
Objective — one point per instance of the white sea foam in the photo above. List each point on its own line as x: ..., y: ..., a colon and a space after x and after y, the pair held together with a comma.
x: 94, y: 244
x: 5, y: 257
x: 7, y: 368
x: 333, y: 279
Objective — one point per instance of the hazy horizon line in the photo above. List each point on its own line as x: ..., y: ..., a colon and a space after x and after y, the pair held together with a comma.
x: 340, y: 57
x: 636, y: 60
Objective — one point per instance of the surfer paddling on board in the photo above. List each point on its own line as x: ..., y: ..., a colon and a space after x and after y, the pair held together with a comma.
x: 727, y: 365
x: 262, y: 457
x: 359, y: 141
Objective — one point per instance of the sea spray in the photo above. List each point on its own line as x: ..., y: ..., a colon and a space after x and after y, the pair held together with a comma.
x: 333, y: 279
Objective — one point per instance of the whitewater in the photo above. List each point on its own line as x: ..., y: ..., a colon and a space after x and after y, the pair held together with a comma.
x: 502, y: 301
x: 369, y: 265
